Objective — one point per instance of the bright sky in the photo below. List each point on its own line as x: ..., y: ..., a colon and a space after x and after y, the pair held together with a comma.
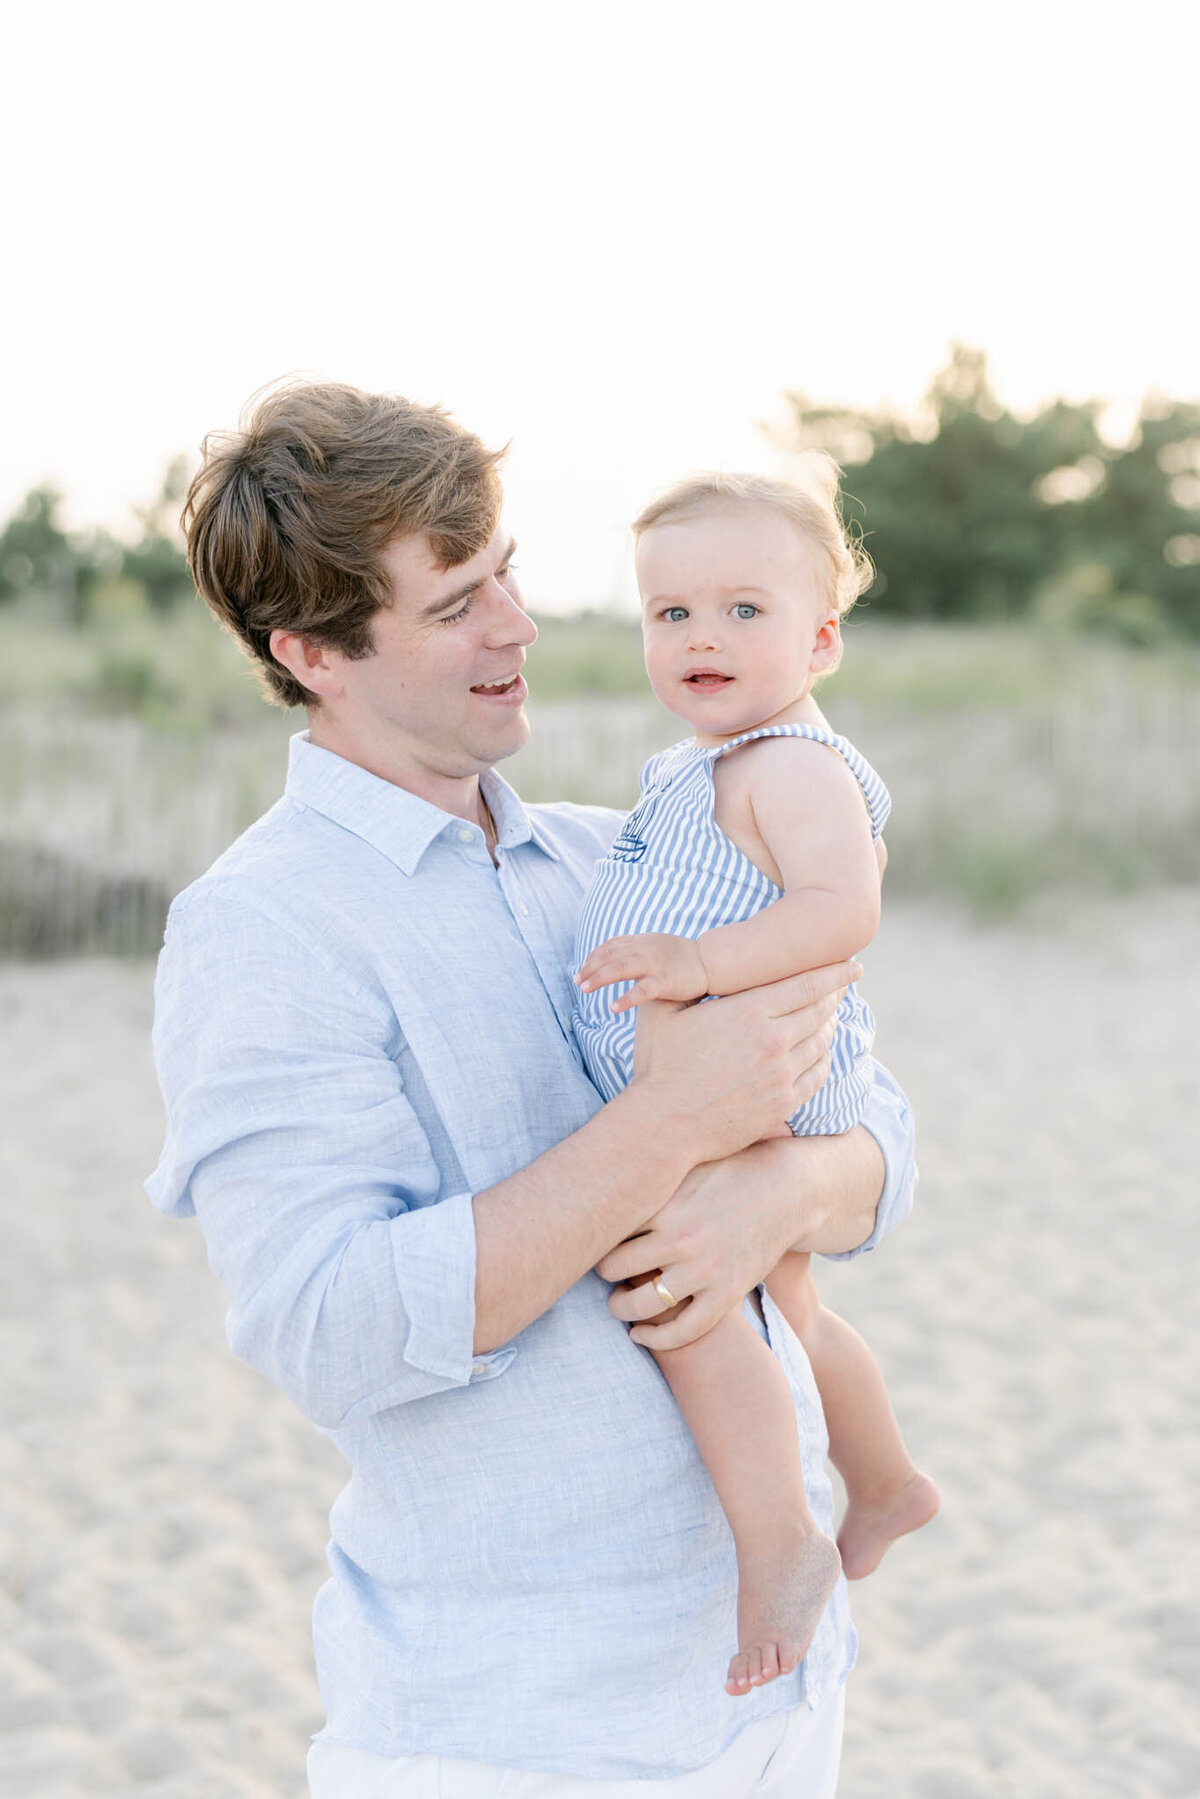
x: 615, y: 233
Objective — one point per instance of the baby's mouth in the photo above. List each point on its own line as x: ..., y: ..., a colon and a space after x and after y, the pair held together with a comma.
x: 706, y: 677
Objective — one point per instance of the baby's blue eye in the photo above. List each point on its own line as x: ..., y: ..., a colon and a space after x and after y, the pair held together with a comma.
x: 745, y: 610
x: 675, y: 615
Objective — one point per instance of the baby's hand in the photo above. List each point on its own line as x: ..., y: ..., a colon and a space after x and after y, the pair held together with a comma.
x: 663, y: 967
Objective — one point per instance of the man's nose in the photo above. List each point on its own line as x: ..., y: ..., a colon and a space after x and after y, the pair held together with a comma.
x: 508, y: 621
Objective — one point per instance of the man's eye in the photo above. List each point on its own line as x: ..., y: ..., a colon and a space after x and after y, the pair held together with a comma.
x: 452, y: 618
x: 745, y: 610
x: 675, y: 615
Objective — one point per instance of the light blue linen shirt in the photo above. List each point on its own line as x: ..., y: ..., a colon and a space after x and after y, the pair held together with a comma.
x: 360, y: 1023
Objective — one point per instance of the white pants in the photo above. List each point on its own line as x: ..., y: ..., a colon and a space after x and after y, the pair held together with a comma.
x: 793, y: 1756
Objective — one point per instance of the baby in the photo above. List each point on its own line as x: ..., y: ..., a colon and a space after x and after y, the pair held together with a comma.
x: 756, y: 852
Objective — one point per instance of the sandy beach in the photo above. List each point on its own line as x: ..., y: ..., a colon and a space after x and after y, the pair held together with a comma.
x: 162, y: 1519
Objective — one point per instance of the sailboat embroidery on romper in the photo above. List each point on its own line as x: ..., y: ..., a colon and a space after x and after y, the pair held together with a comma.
x: 630, y: 846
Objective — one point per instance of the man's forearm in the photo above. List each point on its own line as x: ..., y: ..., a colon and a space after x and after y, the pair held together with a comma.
x: 709, y: 1080
x: 731, y: 1222
x: 837, y: 1184
x: 540, y: 1231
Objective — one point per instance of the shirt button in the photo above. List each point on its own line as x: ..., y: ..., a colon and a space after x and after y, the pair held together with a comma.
x: 523, y: 909
x: 465, y: 836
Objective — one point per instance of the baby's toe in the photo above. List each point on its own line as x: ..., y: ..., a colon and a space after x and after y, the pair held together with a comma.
x: 738, y: 1679
x: 770, y: 1661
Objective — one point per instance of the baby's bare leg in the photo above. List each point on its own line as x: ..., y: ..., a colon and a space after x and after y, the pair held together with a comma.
x: 887, y: 1496
x: 738, y: 1405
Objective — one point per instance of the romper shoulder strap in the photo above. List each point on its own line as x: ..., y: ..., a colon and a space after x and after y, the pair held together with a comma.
x: 875, y: 793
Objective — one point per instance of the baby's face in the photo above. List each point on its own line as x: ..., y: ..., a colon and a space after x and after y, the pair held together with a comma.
x: 735, y: 624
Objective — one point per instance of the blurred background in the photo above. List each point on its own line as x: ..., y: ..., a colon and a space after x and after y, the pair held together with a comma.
x: 958, y: 255
x: 1026, y: 667
x: 956, y: 248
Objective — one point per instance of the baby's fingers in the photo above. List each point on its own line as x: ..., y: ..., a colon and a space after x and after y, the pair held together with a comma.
x: 596, y: 973
x: 600, y: 957
x: 612, y: 950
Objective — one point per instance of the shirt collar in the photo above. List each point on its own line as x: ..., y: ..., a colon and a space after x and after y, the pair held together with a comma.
x: 397, y: 823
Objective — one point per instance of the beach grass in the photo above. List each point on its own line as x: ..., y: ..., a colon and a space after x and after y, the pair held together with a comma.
x: 1021, y: 761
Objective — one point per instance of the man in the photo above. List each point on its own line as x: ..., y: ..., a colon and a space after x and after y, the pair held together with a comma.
x: 377, y: 1111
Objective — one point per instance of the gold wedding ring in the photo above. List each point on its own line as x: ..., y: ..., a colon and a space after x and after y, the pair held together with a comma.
x: 664, y: 1292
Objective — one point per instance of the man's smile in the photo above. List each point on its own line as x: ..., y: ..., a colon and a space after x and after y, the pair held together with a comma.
x: 512, y: 687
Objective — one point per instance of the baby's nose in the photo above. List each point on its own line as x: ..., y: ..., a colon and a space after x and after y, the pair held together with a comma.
x: 704, y: 636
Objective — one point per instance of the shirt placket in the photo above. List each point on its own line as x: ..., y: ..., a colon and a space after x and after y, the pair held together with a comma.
x: 537, y: 937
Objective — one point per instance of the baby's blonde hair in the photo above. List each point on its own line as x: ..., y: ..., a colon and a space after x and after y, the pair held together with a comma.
x: 812, y: 504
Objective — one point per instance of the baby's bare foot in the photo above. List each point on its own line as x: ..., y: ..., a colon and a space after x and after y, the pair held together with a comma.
x: 781, y: 1596
x: 869, y: 1528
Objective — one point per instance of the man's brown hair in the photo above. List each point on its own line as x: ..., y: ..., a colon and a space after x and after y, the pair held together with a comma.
x: 287, y: 516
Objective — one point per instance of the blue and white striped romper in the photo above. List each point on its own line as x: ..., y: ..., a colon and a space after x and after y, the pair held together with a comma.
x: 673, y: 869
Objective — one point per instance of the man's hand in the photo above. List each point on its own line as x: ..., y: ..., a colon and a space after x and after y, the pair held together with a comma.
x: 732, y: 1071
x: 730, y: 1222
x: 661, y: 967
x: 708, y: 1080
x: 714, y: 1241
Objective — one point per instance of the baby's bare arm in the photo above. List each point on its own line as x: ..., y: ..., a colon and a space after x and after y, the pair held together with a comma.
x: 808, y: 811
x: 801, y: 817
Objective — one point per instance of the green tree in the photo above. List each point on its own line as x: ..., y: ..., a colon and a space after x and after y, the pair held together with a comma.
x: 38, y: 556
x: 972, y: 512
x: 1143, y: 525
x: 157, y: 561
x: 35, y: 551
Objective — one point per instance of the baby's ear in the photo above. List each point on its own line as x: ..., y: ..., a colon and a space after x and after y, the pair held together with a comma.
x: 827, y: 646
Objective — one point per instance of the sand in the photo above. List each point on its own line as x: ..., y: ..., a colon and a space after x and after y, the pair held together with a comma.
x: 162, y: 1511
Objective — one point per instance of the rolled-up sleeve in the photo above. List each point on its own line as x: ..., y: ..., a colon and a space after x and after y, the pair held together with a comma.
x: 350, y: 1275
x: 889, y: 1119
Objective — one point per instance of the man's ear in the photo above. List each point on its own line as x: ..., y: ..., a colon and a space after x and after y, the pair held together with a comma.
x: 827, y: 646
x: 310, y: 663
